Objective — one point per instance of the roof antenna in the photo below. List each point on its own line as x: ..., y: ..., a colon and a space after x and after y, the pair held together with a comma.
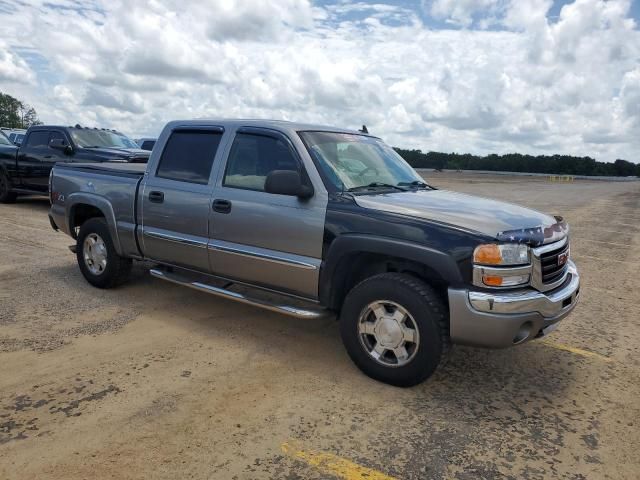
x: 364, y: 129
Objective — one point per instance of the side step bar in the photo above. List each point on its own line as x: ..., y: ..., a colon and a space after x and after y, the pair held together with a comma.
x: 306, y: 313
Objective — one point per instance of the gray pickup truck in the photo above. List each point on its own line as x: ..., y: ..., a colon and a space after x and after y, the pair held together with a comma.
x: 308, y: 220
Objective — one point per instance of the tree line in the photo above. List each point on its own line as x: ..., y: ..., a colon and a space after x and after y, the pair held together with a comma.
x: 16, y: 114
x: 516, y: 162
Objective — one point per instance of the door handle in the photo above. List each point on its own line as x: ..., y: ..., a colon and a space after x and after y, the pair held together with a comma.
x: 156, y: 197
x: 221, y: 206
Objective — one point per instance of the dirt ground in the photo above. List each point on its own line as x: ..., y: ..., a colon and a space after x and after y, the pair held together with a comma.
x: 152, y: 380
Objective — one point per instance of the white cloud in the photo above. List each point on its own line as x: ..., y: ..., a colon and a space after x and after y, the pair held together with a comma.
x: 567, y: 85
x: 461, y: 12
x: 13, y: 69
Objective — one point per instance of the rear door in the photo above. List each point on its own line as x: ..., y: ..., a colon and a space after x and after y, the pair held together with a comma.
x: 176, y: 198
x: 261, y: 238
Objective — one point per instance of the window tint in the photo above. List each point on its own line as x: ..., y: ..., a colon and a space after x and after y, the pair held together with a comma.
x: 188, y: 156
x: 38, y: 139
x: 58, y: 135
x: 253, y: 157
x: 147, y: 145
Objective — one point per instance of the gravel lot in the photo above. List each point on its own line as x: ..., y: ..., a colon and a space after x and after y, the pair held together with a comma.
x: 156, y: 381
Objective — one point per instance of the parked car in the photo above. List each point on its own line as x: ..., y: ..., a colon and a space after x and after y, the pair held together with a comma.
x: 26, y: 169
x: 146, y: 143
x: 16, y: 135
x: 331, y: 217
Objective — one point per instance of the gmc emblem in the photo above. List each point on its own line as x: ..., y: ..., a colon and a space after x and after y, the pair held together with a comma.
x: 562, y: 258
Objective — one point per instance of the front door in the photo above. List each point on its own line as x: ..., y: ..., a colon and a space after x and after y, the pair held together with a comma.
x: 176, y: 199
x: 262, y: 238
x: 33, y: 164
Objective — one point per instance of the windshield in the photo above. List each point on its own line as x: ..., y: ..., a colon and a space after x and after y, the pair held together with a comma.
x: 87, y: 138
x: 4, y: 140
x: 350, y: 161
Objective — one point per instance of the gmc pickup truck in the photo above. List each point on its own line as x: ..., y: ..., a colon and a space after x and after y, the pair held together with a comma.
x: 25, y: 169
x: 324, y: 220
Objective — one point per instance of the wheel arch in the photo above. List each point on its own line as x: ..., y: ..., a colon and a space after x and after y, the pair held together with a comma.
x: 353, y: 257
x: 83, y: 206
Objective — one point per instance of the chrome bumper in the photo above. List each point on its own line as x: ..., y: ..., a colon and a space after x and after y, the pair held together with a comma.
x: 502, y: 319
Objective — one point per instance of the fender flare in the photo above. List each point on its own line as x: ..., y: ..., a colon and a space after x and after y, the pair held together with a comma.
x: 347, y: 244
x: 102, y: 204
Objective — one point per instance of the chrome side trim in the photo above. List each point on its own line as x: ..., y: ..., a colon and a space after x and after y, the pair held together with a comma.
x: 305, y: 313
x: 479, y: 271
x: 176, y: 239
x: 526, y: 301
x: 536, y: 277
x: 269, y: 257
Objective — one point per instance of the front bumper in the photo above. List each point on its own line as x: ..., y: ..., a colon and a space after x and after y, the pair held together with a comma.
x: 502, y: 319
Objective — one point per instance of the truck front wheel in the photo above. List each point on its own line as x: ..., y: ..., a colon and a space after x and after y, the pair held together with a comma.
x: 97, y: 258
x: 394, y: 327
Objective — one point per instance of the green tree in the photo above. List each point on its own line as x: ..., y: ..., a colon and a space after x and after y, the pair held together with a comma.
x: 16, y: 114
x: 516, y: 162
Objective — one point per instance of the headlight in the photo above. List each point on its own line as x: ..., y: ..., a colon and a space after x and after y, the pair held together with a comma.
x: 501, y: 265
x: 503, y: 254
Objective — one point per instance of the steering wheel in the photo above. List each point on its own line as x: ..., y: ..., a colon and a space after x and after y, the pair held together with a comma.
x: 364, y: 171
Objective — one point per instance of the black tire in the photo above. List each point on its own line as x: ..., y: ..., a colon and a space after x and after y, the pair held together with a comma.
x: 428, y: 313
x: 117, y: 268
x: 6, y: 195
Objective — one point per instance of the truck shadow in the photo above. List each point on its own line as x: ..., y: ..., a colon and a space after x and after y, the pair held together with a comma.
x: 33, y: 202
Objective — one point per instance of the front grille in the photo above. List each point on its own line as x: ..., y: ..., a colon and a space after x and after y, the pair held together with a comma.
x: 547, y: 274
x: 552, y: 271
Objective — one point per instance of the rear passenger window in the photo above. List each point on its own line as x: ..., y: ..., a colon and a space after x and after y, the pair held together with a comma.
x: 38, y: 139
x: 188, y: 156
x: 253, y: 157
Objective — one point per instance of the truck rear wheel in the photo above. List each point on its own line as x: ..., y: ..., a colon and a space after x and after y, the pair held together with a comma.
x: 6, y: 195
x: 97, y: 258
x: 394, y: 327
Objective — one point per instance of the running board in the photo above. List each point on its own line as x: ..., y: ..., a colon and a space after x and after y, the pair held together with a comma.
x: 307, y: 313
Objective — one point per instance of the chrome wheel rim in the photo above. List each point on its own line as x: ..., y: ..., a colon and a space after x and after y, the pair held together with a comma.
x: 95, y: 253
x: 388, y: 333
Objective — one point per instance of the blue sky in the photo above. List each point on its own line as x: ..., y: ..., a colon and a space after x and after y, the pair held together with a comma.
x: 478, y: 76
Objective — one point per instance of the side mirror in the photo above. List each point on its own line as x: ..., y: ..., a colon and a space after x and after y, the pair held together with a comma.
x: 60, y: 144
x: 287, y: 182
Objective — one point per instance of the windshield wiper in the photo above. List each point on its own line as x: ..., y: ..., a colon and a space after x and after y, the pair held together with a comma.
x: 416, y: 183
x: 376, y: 185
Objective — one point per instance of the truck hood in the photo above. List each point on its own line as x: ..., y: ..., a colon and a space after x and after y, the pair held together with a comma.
x: 500, y: 220
x: 131, y: 154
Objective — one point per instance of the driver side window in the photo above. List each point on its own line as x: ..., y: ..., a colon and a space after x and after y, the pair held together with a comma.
x: 253, y: 157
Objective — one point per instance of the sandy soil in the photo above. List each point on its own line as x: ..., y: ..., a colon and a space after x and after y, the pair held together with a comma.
x: 156, y: 381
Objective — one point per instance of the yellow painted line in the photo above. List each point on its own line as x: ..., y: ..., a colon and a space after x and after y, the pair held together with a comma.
x: 330, y: 464
x: 577, y: 351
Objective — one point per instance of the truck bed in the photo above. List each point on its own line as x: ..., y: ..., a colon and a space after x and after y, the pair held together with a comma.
x: 112, y: 168
x: 112, y: 187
